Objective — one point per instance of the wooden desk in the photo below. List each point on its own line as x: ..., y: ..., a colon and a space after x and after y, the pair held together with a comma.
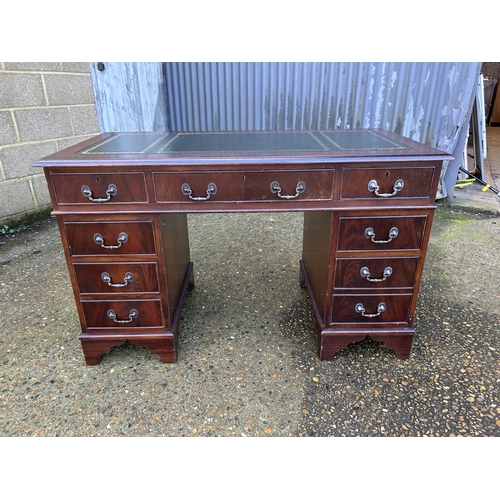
x: 121, y: 202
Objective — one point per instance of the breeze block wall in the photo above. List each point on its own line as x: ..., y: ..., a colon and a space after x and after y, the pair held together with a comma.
x: 44, y: 107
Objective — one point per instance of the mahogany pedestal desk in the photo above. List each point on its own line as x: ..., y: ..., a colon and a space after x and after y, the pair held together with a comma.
x: 121, y: 200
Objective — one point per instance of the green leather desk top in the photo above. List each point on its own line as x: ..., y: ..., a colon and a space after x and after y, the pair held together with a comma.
x: 236, y: 148
x: 213, y: 143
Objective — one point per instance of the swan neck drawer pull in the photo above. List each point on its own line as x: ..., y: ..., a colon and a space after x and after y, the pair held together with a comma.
x: 211, y: 190
x: 370, y: 234
x: 129, y: 277
x: 111, y: 191
x: 360, y: 309
x: 373, y: 187
x: 122, y: 238
x: 365, y: 272
x: 276, y: 188
x: 132, y: 315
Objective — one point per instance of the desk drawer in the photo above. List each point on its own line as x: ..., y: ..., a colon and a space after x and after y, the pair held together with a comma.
x: 123, y: 314
x: 99, y: 188
x: 244, y: 186
x: 112, y: 277
x: 387, y: 183
x: 396, y: 272
x: 110, y: 238
x: 375, y: 308
x: 381, y: 233
x: 192, y: 187
x: 294, y: 184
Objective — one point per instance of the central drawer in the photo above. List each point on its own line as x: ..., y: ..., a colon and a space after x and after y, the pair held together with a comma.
x: 195, y: 186
x: 265, y: 185
x: 110, y: 238
x: 279, y: 185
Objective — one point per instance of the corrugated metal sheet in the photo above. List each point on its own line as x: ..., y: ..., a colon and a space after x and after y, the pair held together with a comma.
x: 428, y: 102
x: 419, y: 100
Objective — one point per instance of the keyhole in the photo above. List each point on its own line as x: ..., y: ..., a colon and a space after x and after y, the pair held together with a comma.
x: 98, y: 180
x: 387, y: 174
x: 243, y: 178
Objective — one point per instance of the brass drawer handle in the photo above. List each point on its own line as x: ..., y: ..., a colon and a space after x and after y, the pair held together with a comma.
x: 370, y: 234
x: 211, y: 190
x: 361, y: 310
x: 276, y: 188
x: 373, y: 187
x: 111, y: 191
x: 132, y: 315
x: 122, y: 238
x: 129, y: 277
x: 365, y: 272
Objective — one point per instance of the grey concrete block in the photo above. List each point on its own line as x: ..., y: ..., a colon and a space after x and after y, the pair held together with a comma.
x: 15, y: 198
x: 41, y: 191
x: 42, y: 124
x: 84, y: 119
x: 17, y: 160
x: 76, y: 67
x: 33, y: 66
x: 7, y: 130
x: 20, y: 90
x: 66, y: 89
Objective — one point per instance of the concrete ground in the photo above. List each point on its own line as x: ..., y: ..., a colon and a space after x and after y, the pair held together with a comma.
x: 248, y: 362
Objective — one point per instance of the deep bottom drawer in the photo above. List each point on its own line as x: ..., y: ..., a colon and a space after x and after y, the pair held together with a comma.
x: 376, y: 308
x: 123, y: 313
